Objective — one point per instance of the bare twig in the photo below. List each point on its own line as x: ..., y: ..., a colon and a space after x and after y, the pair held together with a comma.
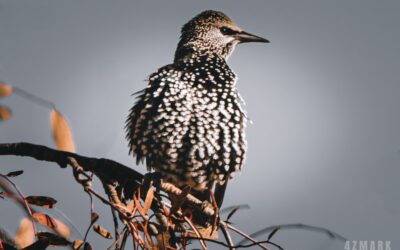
x: 247, y: 237
x: 196, y: 231
x: 33, y: 98
x: 330, y: 233
x: 117, y: 177
x: 22, y: 201
x: 227, y: 236
x: 113, y: 197
x: 238, y: 245
x: 91, y: 221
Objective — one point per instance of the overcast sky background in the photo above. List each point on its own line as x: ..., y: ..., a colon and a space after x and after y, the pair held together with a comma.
x: 324, y: 146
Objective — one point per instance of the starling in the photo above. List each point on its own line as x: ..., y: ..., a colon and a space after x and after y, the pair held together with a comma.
x: 189, y: 124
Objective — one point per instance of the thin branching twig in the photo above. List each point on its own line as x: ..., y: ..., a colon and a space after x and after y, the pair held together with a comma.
x: 330, y: 233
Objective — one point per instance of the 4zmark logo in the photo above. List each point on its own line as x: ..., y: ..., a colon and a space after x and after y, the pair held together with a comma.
x: 367, y: 245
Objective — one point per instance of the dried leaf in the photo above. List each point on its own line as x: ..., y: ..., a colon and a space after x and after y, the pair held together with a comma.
x: 43, y: 201
x: 273, y: 232
x: 5, y: 113
x: 38, y: 245
x: 52, y: 239
x: 148, y: 200
x: 45, y: 220
x: 77, y: 244
x: 59, y: 227
x: 87, y: 246
x: 103, y: 232
x: 25, y: 235
x: 61, y: 132
x: 131, y: 206
x: 15, y: 173
x: 5, y: 90
x: 206, y: 233
x: 94, y: 217
x: 139, y: 207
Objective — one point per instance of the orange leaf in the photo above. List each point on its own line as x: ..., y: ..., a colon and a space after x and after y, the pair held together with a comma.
x: 43, y: 201
x: 149, y: 199
x: 59, y: 227
x: 139, y: 207
x: 98, y: 229
x: 5, y: 90
x: 61, y: 132
x: 25, y: 235
x: 45, y: 220
x: 77, y: 244
x: 5, y: 113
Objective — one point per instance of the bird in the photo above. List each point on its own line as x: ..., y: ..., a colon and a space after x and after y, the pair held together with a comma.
x: 189, y: 123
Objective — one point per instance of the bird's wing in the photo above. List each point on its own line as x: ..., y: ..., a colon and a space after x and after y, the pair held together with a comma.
x: 145, y: 116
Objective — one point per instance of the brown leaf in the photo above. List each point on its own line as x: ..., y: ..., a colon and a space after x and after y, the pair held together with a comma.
x: 43, y: 201
x: 59, y: 227
x: 77, y: 244
x: 5, y: 113
x: 139, y: 207
x: 148, y: 200
x: 94, y: 217
x: 5, y: 90
x: 38, y: 245
x: 206, y: 233
x: 61, y: 132
x: 103, y: 232
x: 15, y: 173
x: 45, y: 220
x: 52, y: 239
x: 87, y: 246
x: 25, y: 234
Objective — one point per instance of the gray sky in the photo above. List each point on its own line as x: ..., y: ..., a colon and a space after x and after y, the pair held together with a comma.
x: 324, y: 146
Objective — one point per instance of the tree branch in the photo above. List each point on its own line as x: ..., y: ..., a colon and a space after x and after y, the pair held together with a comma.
x: 108, y: 171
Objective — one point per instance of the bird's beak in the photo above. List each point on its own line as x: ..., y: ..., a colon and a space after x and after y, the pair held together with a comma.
x: 244, y: 37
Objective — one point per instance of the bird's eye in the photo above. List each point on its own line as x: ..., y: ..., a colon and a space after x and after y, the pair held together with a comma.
x: 227, y: 31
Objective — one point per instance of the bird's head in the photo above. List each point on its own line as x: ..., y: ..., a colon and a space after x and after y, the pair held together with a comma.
x: 214, y: 32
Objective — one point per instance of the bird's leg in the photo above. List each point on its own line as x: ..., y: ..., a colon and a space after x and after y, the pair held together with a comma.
x: 220, y: 192
x: 178, y: 200
x: 216, y: 214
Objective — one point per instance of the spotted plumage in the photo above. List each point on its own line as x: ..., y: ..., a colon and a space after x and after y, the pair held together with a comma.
x: 189, y: 124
